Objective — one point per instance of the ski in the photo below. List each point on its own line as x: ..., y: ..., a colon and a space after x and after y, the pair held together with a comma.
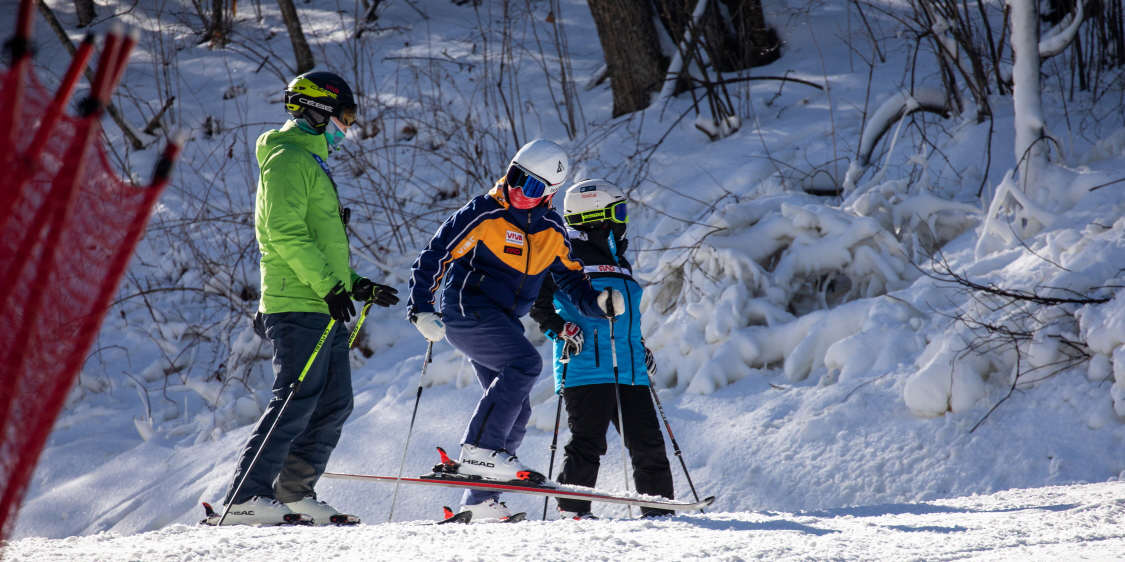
x: 522, y: 487
x: 450, y: 517
x: 515, y: 517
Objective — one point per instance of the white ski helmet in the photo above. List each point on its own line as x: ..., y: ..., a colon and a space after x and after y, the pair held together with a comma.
x: 535, y: 172
x: 594, y: 200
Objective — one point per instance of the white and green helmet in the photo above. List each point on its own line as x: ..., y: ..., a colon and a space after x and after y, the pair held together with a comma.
x: 592, y: 201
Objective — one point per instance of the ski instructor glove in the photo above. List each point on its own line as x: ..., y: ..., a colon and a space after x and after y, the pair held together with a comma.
x: 572, y: 339
x: 612, y: 302
x: 430, y: 324
x: 339, y: 303
x: 650, y: 363
x: 364, y: 290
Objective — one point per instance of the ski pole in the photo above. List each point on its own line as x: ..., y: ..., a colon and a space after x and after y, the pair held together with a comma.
x: 362, y: 316
x: 418, y: 398
x: 565, y: 360
x: 675, y: 446
x: 617, y: 392
x: 293, y: 388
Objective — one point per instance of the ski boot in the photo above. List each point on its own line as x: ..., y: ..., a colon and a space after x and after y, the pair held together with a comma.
x: 492, y: 509
x: 258, y: 511
x: 647, y: 513
x: 321, y: 512
x: 491, y: 465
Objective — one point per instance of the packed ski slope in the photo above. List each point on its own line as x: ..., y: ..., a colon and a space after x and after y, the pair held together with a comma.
x: 807, y: 363
x: 1059, y: 523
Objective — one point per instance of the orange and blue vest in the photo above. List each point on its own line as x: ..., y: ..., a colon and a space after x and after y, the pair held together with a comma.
x: 492, y: 254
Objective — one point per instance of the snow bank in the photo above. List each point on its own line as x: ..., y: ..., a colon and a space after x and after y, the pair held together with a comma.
x: 1074, y: 522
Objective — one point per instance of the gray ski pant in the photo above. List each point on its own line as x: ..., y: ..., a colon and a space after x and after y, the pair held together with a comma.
x: 297, y: 452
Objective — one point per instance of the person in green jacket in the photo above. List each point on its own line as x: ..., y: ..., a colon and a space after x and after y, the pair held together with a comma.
x: 306, y: 281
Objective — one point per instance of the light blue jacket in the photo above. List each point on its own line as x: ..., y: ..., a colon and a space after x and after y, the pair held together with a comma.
x: 603, y: 260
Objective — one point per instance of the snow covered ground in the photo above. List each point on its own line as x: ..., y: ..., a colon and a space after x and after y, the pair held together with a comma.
x: 807, y: 364
x: 1055, y: 523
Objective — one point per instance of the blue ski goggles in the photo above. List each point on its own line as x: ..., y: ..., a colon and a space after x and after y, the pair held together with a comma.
x: 532, y: 186
x: 616, y: 212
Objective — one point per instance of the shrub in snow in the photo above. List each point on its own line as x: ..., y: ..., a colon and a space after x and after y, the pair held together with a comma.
x: 949, y: 380
x: 752, y: 287
x: 919, y: 219
x: 1103, y: 327
x: 1029, y: 314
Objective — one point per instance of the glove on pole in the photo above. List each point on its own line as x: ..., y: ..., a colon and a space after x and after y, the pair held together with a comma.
x: 429, y: 359
x: 617, y: 391
x: 292, y: 390
x: 366, y: 290
x: 565, y: 360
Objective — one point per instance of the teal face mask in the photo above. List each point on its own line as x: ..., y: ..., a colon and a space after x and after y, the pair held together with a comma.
x: 305, y: 126
x: 335, y: 136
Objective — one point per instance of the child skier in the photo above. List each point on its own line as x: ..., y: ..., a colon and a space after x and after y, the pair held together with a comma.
x: 306, y: 281
x: 493, y: 254
x: 595, y: 211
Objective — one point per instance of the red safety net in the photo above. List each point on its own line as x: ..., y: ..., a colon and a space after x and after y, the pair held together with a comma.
x: 68, y: 226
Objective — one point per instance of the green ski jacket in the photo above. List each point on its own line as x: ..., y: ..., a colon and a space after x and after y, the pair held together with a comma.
x: 298, y: 223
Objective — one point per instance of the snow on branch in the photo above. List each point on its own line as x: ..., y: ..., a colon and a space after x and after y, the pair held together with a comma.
x: 892, y: 111
x: 1057, y: 41
x: 943, y: 272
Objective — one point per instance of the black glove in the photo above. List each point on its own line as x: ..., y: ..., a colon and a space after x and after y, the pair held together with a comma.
x: 364, y: 290
x: 340, y: 304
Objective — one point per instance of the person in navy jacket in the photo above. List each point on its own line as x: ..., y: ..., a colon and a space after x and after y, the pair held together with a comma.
x: 491, y: 257
x: 597, y: 215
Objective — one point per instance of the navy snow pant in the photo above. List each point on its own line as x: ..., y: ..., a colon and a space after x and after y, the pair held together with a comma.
x: 297, y: 452
x: 507, y: 366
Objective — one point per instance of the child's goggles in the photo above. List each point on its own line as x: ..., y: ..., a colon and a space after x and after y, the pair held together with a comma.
x: 616, y: 212
x: 532, y: 186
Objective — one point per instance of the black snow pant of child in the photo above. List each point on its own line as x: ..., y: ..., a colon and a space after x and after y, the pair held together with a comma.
x: 590, y: 409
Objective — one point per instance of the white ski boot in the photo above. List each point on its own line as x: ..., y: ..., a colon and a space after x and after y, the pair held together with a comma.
x: 321, y: 512
x: 258, y: 511
x: 488, y: 509
x: 495, y: 465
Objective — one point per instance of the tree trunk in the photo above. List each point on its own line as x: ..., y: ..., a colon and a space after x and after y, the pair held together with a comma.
x: 718, y: 42
x: 305, y: 61
x: 632, y: 51
x: 1026, y: 97
x: 86, y: 13
x: 219, y: 29
x: 758, y: 43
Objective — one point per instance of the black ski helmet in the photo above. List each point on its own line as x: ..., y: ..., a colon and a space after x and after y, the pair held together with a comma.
x: 316, y: 96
